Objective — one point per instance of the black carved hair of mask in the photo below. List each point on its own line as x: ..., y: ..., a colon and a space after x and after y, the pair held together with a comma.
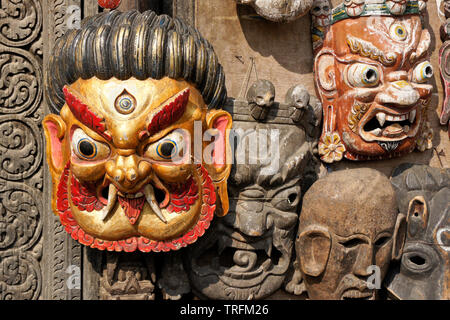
x: 132, y: 44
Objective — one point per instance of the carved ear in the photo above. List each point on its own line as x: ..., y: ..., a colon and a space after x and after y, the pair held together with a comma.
x: 417, y: 216
x: 325, y: 74
x: 314, y: 246
x: 325, y: 79
x: 220, y: 122
x: 399, y: 237
x: 54, y: 129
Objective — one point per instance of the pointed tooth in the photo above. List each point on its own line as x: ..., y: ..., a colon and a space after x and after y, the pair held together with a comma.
x: 412, y: 116
x: 112, y: 197
x: 376, y: 132
x: 268, y: 247
x: 381, y: 118
x: 150, y: 197
x: 269, y: 251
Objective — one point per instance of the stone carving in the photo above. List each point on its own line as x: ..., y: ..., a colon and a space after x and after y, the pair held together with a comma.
x: 371, y: 75
x: 346, y: 230
x: 128, y: 277
x: 444, y: 66
x: 124, y: 174
x: 247, y: 254
x: 279, y: 10
x: 20, y: 150
x: 424, y: 271
x: 260, y: 98
x: 307, y: 109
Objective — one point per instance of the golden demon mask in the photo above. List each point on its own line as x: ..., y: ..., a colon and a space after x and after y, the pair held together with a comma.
x: 371, y: 76
x: 135, y: 93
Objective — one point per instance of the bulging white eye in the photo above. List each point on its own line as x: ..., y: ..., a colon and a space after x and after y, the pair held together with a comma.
x: 86, y: 148
x: 168, y: 148
x: 422, y: 72
x: 363, y: 75
x: 398, y: 32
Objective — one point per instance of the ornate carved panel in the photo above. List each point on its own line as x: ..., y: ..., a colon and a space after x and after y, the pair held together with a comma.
x: 21, y: 145
x: 34, y: 249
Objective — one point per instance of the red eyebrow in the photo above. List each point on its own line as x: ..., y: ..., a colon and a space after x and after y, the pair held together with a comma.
x: 85, y: 115
x: 170, y: 113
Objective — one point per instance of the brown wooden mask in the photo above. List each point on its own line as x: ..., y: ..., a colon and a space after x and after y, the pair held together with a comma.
x: 371, y: 76
x: 126, y: 151
x: 345, y: 231
x: 247, y: 254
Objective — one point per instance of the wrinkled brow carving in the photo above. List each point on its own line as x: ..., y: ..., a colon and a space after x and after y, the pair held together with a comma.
x: 85, y: 115
x: 170, y: 113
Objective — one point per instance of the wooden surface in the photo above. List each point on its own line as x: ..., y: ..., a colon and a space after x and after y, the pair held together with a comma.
x: 283, y: 55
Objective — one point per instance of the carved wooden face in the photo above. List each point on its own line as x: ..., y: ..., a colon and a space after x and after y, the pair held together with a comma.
x: 320, y: 13
x: 248, y: 254
x: 425, y: 265
x: 121, y: 155
x: 371, y: 75
x: 344, y: 233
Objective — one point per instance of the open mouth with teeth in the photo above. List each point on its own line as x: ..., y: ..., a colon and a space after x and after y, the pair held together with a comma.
x: 388, y: 129
x: 184, y: 210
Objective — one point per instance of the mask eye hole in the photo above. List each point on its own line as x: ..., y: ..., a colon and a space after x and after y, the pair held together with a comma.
x: 292, y: 197
x: 398, y: 32
x: 363, y: 75
x: 380, y: 242
x: 417, y: 260
x: 422, y: 72
x: 287, y: 199
x: 352, y: 243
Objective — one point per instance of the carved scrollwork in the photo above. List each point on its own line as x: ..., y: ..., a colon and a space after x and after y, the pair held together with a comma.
x: 20, y: 22
x: 20, y: 84
x: 20, y: 277
x: 20, y: 224
x: 20, y: 148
